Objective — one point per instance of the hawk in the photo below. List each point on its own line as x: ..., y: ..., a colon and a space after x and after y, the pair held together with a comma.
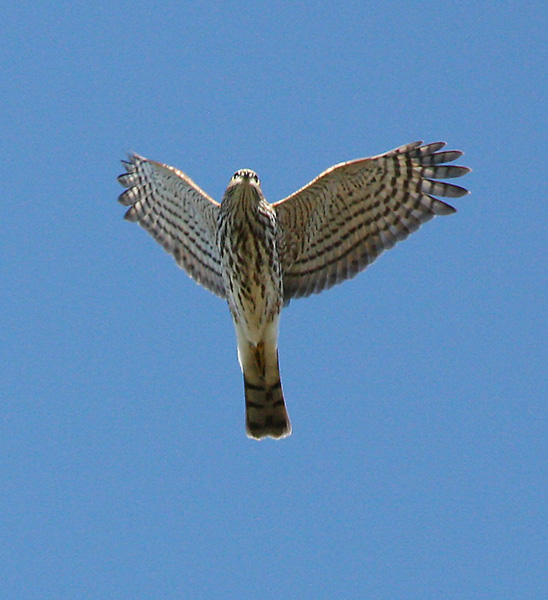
x: 258, y: 256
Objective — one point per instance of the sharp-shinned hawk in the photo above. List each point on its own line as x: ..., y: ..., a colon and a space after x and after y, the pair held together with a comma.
x: 258, y: 256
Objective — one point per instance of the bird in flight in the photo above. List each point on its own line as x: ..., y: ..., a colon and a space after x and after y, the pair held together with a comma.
x: 258, y: 256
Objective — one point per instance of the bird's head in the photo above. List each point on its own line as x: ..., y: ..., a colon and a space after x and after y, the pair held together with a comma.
x: 245, y: 182
x: 243, y: 176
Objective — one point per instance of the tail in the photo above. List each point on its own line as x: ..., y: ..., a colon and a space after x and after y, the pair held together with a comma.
x: 265, y: 410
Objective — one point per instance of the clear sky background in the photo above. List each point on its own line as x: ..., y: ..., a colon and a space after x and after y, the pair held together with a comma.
x: 418, y: 391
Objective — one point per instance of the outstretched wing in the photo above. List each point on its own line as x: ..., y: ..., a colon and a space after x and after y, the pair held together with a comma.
x: 341, y: 221
x: 178, y: 215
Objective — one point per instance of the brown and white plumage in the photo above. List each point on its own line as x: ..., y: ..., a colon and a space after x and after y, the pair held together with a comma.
x: 341, y: 221
x: 248, y: 242
x: 258, y: 255
x: 178, y: 215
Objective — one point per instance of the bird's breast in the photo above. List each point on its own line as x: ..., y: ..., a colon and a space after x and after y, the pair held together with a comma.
x: 251, y: 271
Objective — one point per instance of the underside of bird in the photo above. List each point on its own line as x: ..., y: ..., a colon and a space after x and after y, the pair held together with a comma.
x: 258, y: 256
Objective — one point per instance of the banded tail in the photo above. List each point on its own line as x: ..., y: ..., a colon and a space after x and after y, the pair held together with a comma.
x: 265, y: 410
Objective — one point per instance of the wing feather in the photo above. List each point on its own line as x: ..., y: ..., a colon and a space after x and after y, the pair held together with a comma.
x: 341, y: 221
x: 178, y: 214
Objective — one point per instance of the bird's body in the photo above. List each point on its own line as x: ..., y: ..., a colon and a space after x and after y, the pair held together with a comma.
x: 258, y: 255
x: 247, y: 239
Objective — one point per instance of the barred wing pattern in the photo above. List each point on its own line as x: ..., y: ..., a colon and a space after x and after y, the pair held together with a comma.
x: 178, y: 214
x: 341, y: 221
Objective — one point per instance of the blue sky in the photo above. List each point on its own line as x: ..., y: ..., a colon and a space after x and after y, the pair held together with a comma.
x: 417, y: 391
